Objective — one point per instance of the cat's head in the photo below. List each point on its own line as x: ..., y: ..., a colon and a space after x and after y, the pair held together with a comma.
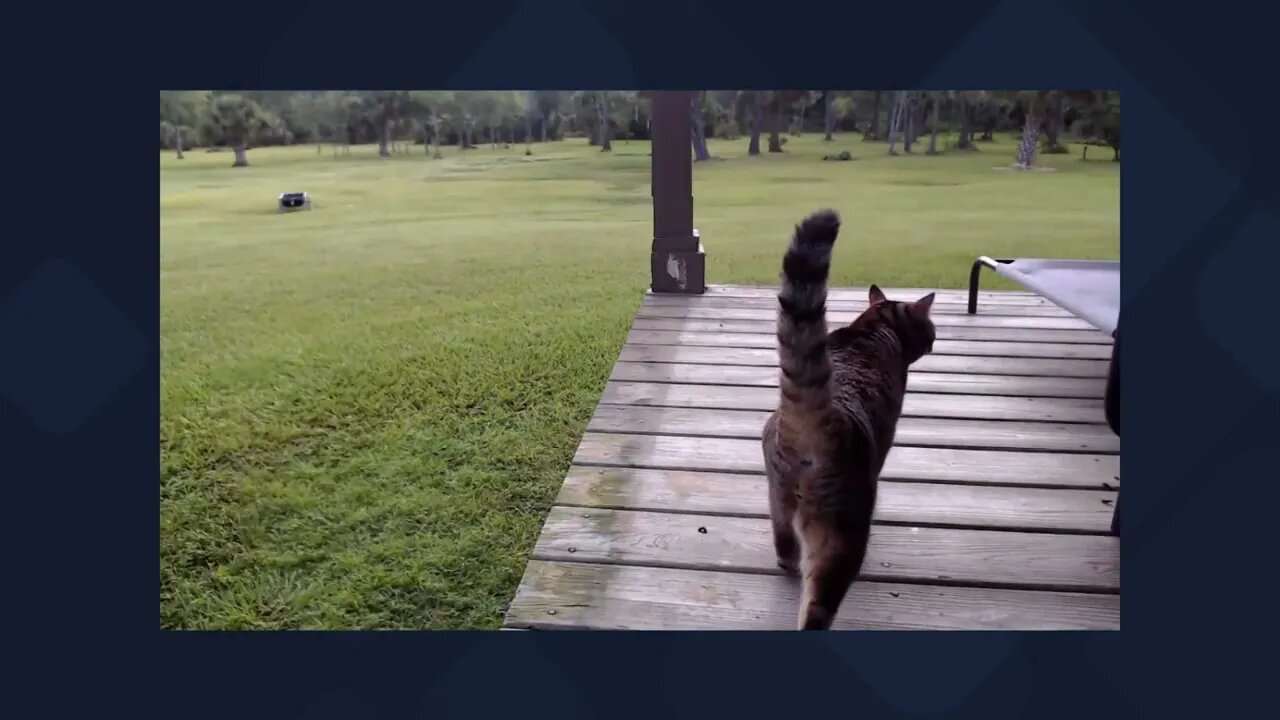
x: 910, y: 321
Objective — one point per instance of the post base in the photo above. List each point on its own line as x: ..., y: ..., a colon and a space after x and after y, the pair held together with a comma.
x: 679, y: 271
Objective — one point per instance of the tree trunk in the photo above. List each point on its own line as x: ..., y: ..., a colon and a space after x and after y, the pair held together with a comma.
x: 831, y: 117
x: 800, y: 125
x: 916, y: 118
x: 606, y: 132
x: 753, y: 147
x: 242, y: 160
x: 177, y: 139
x: 775, y: 127
x: 1030, y: 138
x: 895, y: 120
x: 528, y: 131
x: 965, y: 142
x: 1056, y: 120
x: 933, y: 131
x: 697, y: 134
x: 384, y: 139
x: 908, y: 131
x: 874, y: 134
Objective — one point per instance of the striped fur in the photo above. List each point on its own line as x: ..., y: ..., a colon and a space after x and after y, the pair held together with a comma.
x: 841, y: 396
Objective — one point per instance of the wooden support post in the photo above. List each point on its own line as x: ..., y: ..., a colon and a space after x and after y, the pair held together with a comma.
x: 678, y: 263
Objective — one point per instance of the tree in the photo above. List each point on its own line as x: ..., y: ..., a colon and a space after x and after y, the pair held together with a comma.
x: 749, y: 104
x: 907, y: 119
x: 238, y: 120
x: 1101, y: 120
x: 895, y: 119
x: 1057, y: 108
x: 936, y: 102
x: 1033, y: 107
x: 990, y: 113
x: 697, y: 130
x: 437, y: 108
x: 829, y: 121
x: 549, y: 105
x: 966, y: 126
x: 530, y: 107
x: 873, y: 133
x: 181, y: 114
x: 383, y: 109
x: 775, y: 103
x: 606, y: 128
x: 318, y: 113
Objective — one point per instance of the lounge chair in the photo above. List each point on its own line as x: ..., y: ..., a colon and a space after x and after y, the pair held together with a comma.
x: 1088, y: 289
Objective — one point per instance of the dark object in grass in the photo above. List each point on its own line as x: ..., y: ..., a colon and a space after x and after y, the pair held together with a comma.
x: 294, y: 201
x: 842, y: 156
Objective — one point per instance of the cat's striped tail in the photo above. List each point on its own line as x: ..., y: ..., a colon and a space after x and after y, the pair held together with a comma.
x: 802, y: 311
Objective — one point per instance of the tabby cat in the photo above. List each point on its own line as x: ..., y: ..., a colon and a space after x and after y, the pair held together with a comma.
x: 841, y: 398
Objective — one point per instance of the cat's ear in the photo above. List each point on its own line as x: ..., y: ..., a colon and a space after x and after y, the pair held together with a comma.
x: 876, y: 295
x: 921, y: 306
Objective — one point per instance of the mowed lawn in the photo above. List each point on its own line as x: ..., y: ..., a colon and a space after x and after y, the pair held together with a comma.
x: 367, y: 409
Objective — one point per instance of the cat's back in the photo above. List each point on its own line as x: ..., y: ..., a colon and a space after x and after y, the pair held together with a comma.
x: 869, y: 387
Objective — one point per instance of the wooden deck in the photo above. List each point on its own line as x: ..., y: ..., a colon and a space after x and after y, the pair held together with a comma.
x: 995, y: 504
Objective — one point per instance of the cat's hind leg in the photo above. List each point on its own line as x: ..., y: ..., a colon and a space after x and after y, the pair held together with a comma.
x: 830, y: 565
x: 782, y: 511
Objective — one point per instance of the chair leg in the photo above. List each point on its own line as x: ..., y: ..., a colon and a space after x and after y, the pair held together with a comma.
x: 975, y: 276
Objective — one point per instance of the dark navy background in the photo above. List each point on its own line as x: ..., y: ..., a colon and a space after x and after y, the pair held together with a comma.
x: 79, y: 358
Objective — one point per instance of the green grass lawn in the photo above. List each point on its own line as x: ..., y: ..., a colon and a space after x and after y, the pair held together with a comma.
x: 367, y: 409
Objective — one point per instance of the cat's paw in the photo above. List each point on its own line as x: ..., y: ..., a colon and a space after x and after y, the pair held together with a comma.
x: 789, y: 566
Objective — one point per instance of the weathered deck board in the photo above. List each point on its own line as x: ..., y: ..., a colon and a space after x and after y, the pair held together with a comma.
x: 939, y: 432
x: 616, y: 597
x: 941, y: 306
x: 737, y: 423
x: 964, y: 364
x: 974, y: 506
x: 944, y: 332
x: 995, y: 504
x: 917, y: 382
x: 834, y: 320
x: 941, y: 346
x: 1005, y: 297
x: 906, y: 463
x: 986, y: 558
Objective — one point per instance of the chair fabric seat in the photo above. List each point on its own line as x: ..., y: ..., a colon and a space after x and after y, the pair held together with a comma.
x: 1089, y: 289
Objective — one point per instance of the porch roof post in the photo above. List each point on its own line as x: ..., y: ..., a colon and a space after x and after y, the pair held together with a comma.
x: 678, y: 263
